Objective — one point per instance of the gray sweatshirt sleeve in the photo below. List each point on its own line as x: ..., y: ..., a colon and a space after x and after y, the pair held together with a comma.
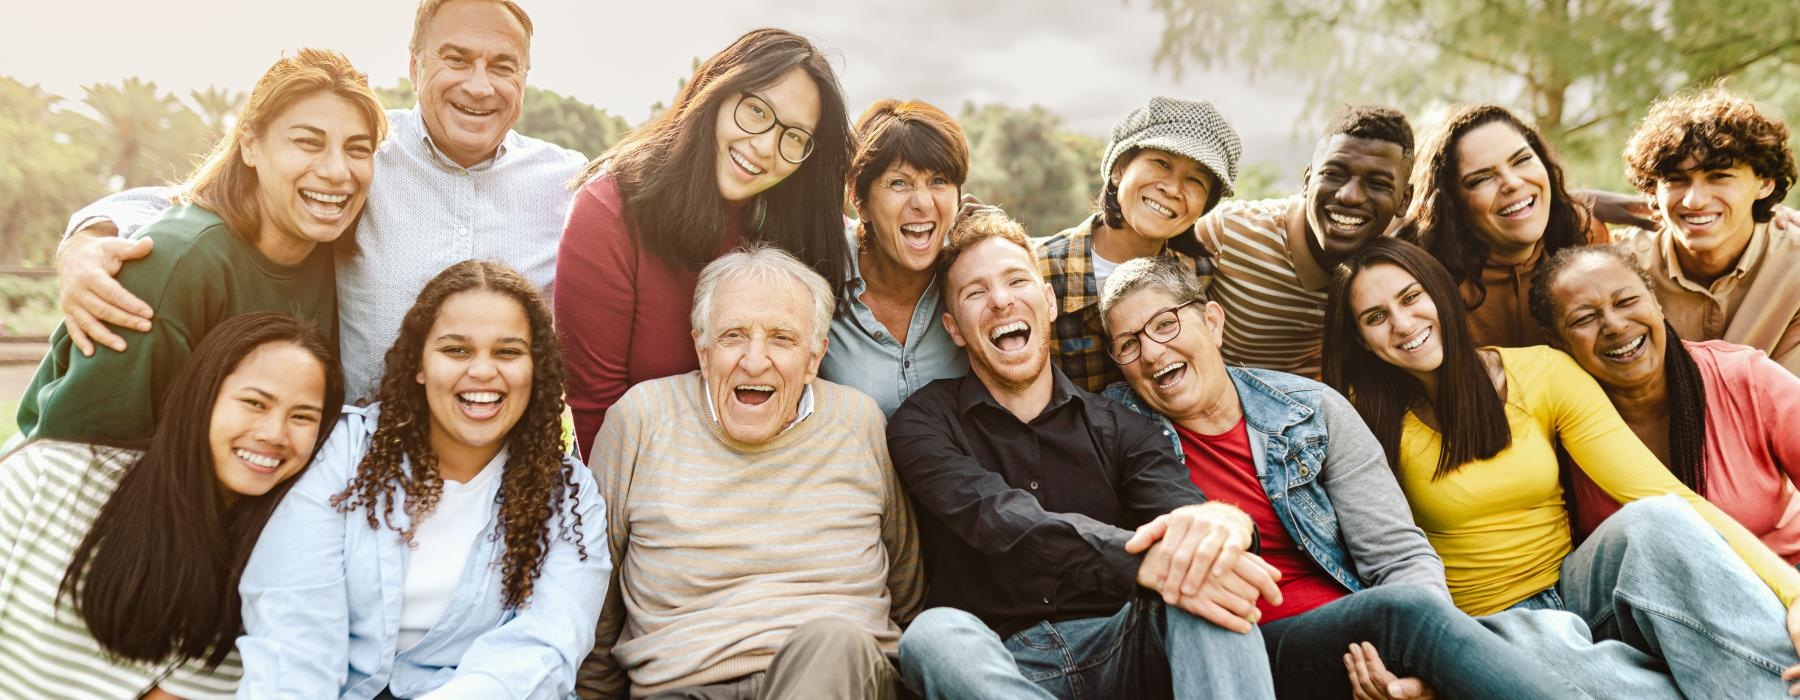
x: 1384, y: 544
x: 129, y: 210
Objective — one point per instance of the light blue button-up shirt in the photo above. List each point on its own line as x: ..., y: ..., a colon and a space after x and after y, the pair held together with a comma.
x: 322, y: 595
x: 424, y: 213
x: 864, y: 355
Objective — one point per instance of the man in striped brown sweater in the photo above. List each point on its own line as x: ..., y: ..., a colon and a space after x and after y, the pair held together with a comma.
x: 763, y: 545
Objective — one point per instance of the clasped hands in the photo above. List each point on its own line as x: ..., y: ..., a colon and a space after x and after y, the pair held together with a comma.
x: 1196, y: 557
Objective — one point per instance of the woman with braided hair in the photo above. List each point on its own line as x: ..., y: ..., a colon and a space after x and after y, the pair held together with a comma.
x: 444, y: 543
x: 1722, y: 416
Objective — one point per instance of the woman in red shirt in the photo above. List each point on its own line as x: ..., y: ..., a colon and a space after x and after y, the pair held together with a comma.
x: 1720, y: 415
x: 755, y: 148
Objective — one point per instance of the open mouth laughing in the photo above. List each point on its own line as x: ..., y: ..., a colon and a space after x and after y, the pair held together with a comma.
x: 1417, y: 341
x: 471, y: 111
x: 1627, y: 351
x: 744, y: 164
x: 257, y: 461
x: 917, y: 236
x: 1170, y: 376
x: 753, y: 394
x: 480, y: 405
x: 1157, y: 207
x: 1519, y: 209
x: 1010, y: 337
x: 325, y: 205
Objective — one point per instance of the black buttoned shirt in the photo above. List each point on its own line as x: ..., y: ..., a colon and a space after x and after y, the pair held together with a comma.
x: 1027, y: 521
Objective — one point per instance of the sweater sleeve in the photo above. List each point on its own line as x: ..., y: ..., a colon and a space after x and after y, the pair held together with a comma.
x: 596, y: 273
x: 1619, y: 463
x: 899, y: 534
x: 128, y: 210
x: 1377, y: 525
x: 613, y: 460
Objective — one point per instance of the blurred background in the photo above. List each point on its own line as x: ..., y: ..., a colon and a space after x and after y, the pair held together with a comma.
x: 101, y: 96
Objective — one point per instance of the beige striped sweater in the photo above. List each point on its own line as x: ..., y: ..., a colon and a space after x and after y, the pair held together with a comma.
x: 50, y: 494
x: 723, y: 548
x: 1265, y: 278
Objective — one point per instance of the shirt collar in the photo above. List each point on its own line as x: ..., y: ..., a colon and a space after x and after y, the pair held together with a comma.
x: 445, y: 161
x: 973, y: 393
x: 805, y: 411
x: 1746, y: 262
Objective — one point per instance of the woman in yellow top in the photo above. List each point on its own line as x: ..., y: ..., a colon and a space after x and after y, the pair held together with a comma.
x: 1471, y: 434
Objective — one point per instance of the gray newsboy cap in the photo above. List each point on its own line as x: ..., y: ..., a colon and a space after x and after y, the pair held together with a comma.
x: 1192, y: 128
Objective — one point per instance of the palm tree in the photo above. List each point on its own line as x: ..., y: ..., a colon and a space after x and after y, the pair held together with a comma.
x: 146, y: 135
x: 218, y: 108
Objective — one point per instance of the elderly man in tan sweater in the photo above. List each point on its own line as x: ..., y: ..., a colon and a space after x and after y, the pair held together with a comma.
x: 763, y: 545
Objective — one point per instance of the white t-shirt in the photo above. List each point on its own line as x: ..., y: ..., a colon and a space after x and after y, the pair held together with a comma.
x: 442, y: 545
x: 1102, y: 269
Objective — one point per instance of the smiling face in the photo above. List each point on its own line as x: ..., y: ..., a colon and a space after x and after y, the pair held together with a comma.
x: 477, y: 373
x: 470, y: 78
x: 909, y: 212
x: 313, y: 163
x: 758, y: 353
x: 1161, y: 194
x: 1184, y: 376
x: 1353, y: 189
x: 1396, y: 320
x: 1505, y: 189
x: 1000, y: 312
x: 265, y: 420
x: 748, y: 164
x: 1608, y: 321
x: 1709, y: 211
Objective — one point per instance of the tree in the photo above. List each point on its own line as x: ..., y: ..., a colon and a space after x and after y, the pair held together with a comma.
x: 1583, y: 70
x: 146, y: 136
x: 218, y: 109
x: 1022, y: 161
x: 45, y: 175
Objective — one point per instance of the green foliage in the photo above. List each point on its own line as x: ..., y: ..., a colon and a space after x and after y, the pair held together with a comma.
x: 1260, y: 180
x: 145, y: 136
x: 46, y: 174
x: 9, y: 418
x: 1584, y: 71
x: 28, y: 306
x: 1022, y: 160
x: 219, y: 109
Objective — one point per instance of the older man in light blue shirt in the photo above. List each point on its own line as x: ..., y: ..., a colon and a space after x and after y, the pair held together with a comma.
x: 453, y: 182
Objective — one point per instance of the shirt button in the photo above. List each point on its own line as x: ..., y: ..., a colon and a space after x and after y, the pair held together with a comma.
x: 880, y: 335
x: 1046, y: 600
x: 1034, y: 486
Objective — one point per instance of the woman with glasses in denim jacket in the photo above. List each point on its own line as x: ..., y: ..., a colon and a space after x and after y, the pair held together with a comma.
x: 755, y: 148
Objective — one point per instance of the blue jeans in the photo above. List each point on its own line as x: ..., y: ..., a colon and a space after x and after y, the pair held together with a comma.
x: 1146, y: 650
x: 1665, y: 608
x: 1418, y: 632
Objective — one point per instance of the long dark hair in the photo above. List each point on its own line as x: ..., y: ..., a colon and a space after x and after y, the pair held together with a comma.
x: 1442, y: 224
x: 1686, y: 390
x: 668, y: 176
x: 1471, y: 415
x: 536, y: 480
x: 156, y: 576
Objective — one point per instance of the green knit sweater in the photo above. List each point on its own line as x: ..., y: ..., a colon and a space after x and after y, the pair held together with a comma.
x: 197, y: 275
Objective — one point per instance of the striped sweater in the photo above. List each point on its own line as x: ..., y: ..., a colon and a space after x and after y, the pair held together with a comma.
x: 723, y: 548
x: 50, y: 494
x: 1272, y: 290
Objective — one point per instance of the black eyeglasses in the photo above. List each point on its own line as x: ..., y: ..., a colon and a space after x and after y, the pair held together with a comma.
x: 755, y: 116
x: 1162, y: 327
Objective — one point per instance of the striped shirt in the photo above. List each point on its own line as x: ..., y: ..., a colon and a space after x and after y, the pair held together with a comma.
x: 50, y: 494
x: 1272, y: 290
x: 723, y: 548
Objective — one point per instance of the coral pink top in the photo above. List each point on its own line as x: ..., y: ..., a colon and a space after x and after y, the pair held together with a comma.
x: 1752, y: 446
x: 622, y: 311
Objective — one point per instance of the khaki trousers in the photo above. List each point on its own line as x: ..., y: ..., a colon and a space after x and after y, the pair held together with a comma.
x: 824, y: 658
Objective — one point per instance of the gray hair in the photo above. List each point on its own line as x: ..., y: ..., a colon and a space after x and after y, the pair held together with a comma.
x: 762, y: 264
x: 1162, y: 273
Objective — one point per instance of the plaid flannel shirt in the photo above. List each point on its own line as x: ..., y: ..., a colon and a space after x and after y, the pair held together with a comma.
x: 1066, y: 261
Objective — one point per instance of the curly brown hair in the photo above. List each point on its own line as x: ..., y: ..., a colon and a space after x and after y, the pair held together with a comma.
x: 537, y: 479
x: 1442, y: 224
x: 1719, y: 130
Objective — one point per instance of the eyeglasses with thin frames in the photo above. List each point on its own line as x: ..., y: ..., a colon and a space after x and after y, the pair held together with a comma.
x: 1163, y: 326
x: 754, y: 115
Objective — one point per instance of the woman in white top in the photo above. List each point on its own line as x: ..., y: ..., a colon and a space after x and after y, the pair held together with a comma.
x: 119, y: 565
x: 444, y: 545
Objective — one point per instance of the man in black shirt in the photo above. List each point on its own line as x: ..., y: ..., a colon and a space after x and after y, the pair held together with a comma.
x: 1067, y: 552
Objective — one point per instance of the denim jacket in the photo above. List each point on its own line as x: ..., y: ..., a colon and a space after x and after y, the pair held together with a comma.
x: 1326, y: 478
x: 322, y: 594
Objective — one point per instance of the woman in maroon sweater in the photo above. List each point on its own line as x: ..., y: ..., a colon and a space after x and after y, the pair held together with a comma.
x: 755, y: 148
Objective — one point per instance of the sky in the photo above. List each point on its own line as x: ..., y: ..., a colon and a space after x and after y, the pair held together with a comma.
x: 1090, y: 61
